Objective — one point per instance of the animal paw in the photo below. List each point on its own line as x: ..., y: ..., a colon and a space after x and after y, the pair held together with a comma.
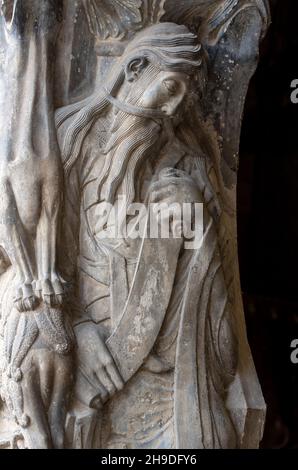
x: 25, y: 299
x: 52, y: 292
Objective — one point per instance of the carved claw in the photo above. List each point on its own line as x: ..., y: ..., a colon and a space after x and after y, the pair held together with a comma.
x: 26, y: 300
x: 52, y: 292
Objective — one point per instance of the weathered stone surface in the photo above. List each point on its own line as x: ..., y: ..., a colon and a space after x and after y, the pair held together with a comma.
x: 108, y: 340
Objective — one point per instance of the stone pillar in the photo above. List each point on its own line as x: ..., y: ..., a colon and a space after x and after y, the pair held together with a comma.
x: 105, y: 105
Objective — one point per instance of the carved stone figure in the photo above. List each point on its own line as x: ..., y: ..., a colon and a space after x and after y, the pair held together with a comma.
x: 31, y: 173
x: 134, y: 299
x: 161, y: 358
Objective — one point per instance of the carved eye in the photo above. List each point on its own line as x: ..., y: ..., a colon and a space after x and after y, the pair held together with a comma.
x: 171, y: 85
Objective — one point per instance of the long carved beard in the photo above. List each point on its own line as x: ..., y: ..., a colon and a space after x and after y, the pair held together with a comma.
x: 132, y: 140
x: 136, y: 140
x: 129, y: 148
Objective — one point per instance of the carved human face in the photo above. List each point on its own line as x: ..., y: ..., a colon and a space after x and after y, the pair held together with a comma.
x: 166, y: 92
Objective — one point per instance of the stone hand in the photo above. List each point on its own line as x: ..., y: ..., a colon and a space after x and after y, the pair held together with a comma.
x: 96, y: 367
x: 174, y: 186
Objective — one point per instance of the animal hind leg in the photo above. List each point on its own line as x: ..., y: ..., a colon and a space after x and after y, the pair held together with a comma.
x: 37, y: 373
x: 60, y: 398
x: 50, y: 283
x: 16, y: 245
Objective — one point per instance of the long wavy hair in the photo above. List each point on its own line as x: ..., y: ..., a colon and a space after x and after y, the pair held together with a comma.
x: 168, y: 45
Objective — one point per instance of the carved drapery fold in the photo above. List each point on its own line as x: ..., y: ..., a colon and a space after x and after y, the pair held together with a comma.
x: 166, y: 326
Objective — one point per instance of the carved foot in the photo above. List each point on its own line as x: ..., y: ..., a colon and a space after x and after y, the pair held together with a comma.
x: 52, y: 291
x: 25, y: 299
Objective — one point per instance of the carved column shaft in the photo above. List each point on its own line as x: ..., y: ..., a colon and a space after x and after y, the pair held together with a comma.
x: 150, y: 97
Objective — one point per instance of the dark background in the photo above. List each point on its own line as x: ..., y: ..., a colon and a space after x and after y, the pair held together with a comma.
x: 268, y: 223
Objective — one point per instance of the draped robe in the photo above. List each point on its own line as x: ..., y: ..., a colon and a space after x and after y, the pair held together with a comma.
x: 164, y: 312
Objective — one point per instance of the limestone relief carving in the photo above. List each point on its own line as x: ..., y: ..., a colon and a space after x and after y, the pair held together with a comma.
x: 107, y: 339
